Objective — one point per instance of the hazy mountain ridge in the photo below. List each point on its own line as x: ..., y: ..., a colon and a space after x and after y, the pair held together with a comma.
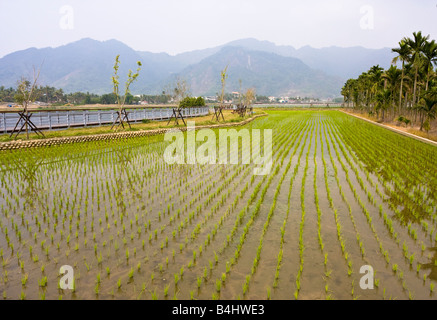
x: 87, y: 65
x: 337, y: 61
x: 269, y: 73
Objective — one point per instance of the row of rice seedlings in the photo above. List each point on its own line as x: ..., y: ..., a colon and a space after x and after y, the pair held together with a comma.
x: 389, y: 224
x: 166, y: 240
x: 340, y: 237
x: 227, y: 211
x: 216, y: 258
x: 366, y: 213
x: 218, y: 204
x: 302, y: 222
x: 396, y: 179
x: 284, y: 153
x: 387, y: 220
x: 130, y: 275
x: 189, y: 219
x: 346, y: 140
x: 267, y: 222
x: 240, y: 216
x: 316, y: 197
x: 359, y: 241
x: 379, y: 176
x: 199, y: 225
x: 205, y: 272
x: 247, y: 228
x: 280, y: 254
x: 318, y: 210
x: 413, y: 167
x: 411, y: 231
x: 414, y: 157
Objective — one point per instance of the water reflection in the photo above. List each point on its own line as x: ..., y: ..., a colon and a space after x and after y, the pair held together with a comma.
x: 431, y: 265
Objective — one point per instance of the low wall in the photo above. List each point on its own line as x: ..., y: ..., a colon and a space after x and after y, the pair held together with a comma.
x: 109, y: 136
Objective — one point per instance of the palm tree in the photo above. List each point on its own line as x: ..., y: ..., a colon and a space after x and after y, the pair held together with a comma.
x: 430, y: 57
x: 375, y: 77
x: 404, y: 54
x: 355, y: 93
x: 427, y: 108
x: 408, y: 85
x: 417, y: 48
x: 391, y: 78
x: 346, y: 91
x: 361, y: 90
x: 382, y: 99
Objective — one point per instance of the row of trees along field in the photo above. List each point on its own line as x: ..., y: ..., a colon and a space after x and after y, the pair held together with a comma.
x: 57, y: 96
x: 407, y: 94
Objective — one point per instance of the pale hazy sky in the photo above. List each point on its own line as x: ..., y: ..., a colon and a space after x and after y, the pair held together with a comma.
x: 176, y: 26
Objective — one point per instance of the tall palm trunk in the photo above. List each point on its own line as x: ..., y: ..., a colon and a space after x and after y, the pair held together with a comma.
x: 422, y: 118
x: 400, y: 92
x: 427, y: 79
x: 406, y: 102
x: 415, y: 85
x: 393, y: 105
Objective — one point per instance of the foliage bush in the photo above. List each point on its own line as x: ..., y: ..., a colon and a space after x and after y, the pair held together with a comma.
x: 427, y: 126
x: 192, y: 102
x: 404, y: 120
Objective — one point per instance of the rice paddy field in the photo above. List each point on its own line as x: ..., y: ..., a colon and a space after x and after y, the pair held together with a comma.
x: 342, y: 193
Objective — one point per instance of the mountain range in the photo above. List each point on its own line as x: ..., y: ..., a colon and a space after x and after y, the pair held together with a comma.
x: 87, y: 65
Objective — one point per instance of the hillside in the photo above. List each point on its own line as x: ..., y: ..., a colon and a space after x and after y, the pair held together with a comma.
x: 342, y: 62
x: 269, y: 73
x: 87, y: 65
